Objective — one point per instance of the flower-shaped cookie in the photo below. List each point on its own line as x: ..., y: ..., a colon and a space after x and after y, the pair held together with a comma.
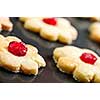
x: 51, y: 29
x: 5, y: 24
x: 95, y: 31
x: 19, y: 57
x: 84, y: 64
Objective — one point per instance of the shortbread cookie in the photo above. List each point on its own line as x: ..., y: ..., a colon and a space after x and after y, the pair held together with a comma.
x: 51, y: 29
x: 92, y: 18
x: 17, y: 56
x: 84, y: 64
x: 95, y: 31
x: 5, y: 24
x: 23, y: 19
x: 95, y: 18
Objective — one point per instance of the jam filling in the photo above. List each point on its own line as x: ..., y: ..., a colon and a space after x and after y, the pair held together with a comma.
x: 88, y: 58
x: 17, y: 48
x: 50, y: 21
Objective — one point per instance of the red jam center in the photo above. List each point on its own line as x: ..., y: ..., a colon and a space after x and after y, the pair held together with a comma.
x: 51, y: 21
x: 17, y: 48
x: 88, y: 58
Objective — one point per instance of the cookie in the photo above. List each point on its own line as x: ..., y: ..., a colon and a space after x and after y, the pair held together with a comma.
x: 92, y: 18
x: 95, y: 31
x: 83, y: 64
x: 95, y: 18
x: 5, y: 24
x: 51, y: 29
x: 23, y: 19
x: 17, y: 56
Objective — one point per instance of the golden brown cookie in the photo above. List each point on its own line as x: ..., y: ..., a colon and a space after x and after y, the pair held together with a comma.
x: 95, y: 31
x: 84, y: 64
x: 92, y: 18
x: 51, y: 29
x: 5, y: 24
x: 17, y: 56
x: 23, y: 19
x: 95, y: 18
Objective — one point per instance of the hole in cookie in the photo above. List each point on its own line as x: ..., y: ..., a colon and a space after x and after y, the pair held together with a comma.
x: 88, y: 58
x: 50, y: 21
x: 17, y: 48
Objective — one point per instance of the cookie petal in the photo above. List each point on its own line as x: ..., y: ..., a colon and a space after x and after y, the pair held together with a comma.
x: 84, y: 73
x: 50, y: 33
x: 28, y: 66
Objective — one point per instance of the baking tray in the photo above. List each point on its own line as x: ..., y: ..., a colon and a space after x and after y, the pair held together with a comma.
x: 49, y: 74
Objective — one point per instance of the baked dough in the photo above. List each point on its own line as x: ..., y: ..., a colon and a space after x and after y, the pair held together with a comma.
x: 92, y: 18
x: 95, y: 31
x: 28, y: 64
x: 5, y: 24
x: 95, y: 18
x: 62, y: 31
x: 68, y: 61
x: 23, y: 19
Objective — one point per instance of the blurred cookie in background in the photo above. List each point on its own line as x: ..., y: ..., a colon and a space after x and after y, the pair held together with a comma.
x: 5, y: 24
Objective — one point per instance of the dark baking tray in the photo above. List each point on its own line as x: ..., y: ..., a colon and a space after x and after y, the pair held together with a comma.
x: 49, y: 74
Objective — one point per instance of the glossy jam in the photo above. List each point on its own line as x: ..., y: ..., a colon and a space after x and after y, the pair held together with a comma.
x: 88, y: 58
x: 17, y: 48
x: 50, y: 21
